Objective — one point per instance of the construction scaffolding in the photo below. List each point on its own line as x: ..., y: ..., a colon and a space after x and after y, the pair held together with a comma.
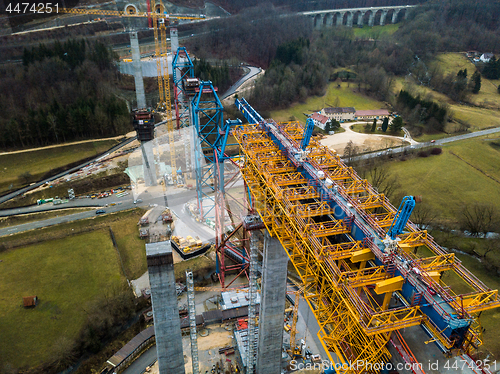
x: 192, y: 322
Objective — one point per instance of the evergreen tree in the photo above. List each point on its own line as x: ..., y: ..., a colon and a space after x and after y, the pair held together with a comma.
x: 476, y: 82
x: 374, y: 125
x: 491, y: 69
x: 385, y: 124
x: 328, y: 126
x: 396, y: 124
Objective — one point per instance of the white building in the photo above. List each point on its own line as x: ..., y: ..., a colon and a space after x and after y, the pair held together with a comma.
x: 339, y: 114
x: 486, y: 57
x: 362, y: 115
x: 320, y: 120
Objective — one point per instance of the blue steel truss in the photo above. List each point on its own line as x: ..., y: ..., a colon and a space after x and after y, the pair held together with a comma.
x: 307, y: 134
x: 182, y: 68
x: 206, y: 110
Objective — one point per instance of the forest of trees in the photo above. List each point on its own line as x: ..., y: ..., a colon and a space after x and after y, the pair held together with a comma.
x: 428, y: 112
x: 219, y: 75
x: 61, y: 93
x: 300, y: 61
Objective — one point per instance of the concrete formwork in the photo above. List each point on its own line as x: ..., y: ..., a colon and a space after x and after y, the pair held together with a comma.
x: 136, y: 60
x: 272, y: 306
x: 165, y: 309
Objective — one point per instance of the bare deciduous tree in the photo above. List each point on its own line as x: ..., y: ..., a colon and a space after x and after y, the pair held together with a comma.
x: 491, y: 246
x: 381, y: 178
x: 423, y: 216
x: 350, y: 151
x: 477, y: 219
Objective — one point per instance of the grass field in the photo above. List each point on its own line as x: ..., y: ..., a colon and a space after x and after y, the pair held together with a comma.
x: 131, y: 247
x: 66, y: 274
x: 37, y: 163
x: 451, y: 63
x: 490, y: 320
x: 375, y: 32
x: 124, y: 225
x: 476, y: 118
x: 447, y: 183
x: 346, y: 95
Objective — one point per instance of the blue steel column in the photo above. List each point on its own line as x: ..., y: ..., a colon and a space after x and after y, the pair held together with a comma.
x: 207, y: 118
x: 182, y: 68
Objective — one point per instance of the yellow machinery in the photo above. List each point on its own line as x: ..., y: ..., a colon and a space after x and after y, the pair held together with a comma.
x: 348, y: 282
x: 294, y: 349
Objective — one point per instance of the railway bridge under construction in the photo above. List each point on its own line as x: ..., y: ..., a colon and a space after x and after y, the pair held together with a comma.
x: 362, y: 286
x: 365, y: 283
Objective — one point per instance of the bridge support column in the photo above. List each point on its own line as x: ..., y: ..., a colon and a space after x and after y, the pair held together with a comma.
x: 340, y: 18
x: 382, y: 17
x: 349, y: 19
x: 272, y: 306
x: 360, y: 19
x: 318, y: 22
x: 407, y: 13
x: 395, y: 15
x: 371, y: 21
x: 136, y: 61
x: 328, y: 20
x: 165, y: 309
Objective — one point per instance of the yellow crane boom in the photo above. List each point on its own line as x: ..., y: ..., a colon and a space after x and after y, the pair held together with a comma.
x: 119, y: 13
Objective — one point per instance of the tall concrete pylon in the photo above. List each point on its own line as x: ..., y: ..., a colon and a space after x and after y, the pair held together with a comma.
x: 165, y: 310
x: 174, y: 41
x: 272, y: 306
x: 136, y: 61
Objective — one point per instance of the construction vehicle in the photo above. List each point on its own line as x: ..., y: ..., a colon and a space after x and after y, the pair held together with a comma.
x: 144, y: 220
x: 166, y: 216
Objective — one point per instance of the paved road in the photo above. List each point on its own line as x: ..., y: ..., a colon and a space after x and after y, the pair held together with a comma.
x: 253, y: 72
x: 427, y: 144
x: 145, y: 359
x: 72, y: 170
x: 175, y: 202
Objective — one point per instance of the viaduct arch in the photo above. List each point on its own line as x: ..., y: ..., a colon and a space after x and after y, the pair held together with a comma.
x: 370, y: 16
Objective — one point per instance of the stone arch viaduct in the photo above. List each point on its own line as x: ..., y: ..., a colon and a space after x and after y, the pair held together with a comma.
x: 370, y: 16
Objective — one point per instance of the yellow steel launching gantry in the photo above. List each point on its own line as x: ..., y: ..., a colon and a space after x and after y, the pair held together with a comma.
x: 159, y: 21
x: 348, y: 278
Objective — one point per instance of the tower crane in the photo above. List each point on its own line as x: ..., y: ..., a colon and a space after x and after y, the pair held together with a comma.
x: 160, y: 19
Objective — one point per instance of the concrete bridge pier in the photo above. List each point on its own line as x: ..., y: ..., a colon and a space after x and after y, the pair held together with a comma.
x: 272, y: 306
x: 349, y: 19
x: 395, y: 15
x: 371, y: 20
x: 361, y: 18
x: 329, y: 19
x: 340, y: 18
x: 382, y: 17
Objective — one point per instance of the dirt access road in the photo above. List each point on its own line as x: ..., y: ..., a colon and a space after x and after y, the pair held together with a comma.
x: 365, y: 142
